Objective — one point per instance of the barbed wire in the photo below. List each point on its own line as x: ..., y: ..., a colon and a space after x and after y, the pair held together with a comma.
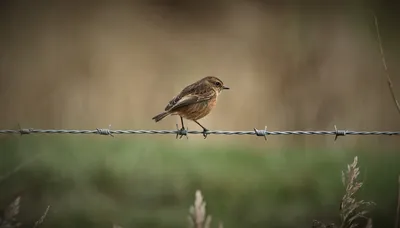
x: 184, y: 132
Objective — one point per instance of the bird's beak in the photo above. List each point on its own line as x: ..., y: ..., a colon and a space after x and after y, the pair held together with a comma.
x: 225, y: 87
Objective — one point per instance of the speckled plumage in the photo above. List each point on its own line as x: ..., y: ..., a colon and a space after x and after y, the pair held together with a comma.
x: 195, y: 101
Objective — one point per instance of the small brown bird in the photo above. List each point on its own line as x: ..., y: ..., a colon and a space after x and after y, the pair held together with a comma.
x: 195, y: 101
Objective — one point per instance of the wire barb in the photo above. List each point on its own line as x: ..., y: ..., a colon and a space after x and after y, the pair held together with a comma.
x: 23, y: 131
x: 262, y: 132
x: 339, y: 133
x: 181, y: 132
x: 105, y: 131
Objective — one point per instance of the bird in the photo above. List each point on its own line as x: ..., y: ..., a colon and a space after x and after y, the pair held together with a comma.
x: 195, y: 101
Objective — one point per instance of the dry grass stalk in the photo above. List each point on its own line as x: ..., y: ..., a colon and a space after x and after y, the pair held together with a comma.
x: 9, y: 218
x: 40, y: 221
x: 369, y: 223
x: 396, y: 225
x: 318, y: 224
x: 197, y: 213
x: 352, y: 210
x: 389, y: 81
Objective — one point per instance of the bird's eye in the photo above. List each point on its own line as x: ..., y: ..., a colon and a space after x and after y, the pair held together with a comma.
x: 217, y: 83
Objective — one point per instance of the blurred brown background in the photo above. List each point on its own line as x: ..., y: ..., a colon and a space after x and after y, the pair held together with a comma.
x: 71, y: 65
x: 289, y: 66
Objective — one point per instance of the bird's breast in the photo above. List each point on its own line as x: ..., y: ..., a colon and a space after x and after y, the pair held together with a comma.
x: 212, y: 103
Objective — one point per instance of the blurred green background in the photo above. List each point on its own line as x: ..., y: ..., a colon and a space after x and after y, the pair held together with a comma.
x: 95, y: 182
x: 290, y: 66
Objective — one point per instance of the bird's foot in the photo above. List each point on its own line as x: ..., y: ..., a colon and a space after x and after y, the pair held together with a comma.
x: 181, y: 132
x: 205, y: 132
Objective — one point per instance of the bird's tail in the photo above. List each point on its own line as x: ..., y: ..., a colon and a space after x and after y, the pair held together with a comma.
x: 160, y: 116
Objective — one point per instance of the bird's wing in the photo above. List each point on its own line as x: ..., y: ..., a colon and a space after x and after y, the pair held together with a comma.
x: 190, y: 89
x: 189, y: 100
x: 192, y: 94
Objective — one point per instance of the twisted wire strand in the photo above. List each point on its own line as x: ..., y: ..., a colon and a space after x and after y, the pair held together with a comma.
x: 181, y: 132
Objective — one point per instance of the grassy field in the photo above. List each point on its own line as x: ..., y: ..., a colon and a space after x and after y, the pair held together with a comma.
x: 96, y: 182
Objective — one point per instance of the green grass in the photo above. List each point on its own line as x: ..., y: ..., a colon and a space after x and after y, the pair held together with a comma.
x: 94, y: 182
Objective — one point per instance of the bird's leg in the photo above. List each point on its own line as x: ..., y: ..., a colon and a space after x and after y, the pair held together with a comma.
x: 182, y: 128
x: 204, y: 129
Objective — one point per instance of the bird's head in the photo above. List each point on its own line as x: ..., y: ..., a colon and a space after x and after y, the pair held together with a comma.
x: 215, y: 83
